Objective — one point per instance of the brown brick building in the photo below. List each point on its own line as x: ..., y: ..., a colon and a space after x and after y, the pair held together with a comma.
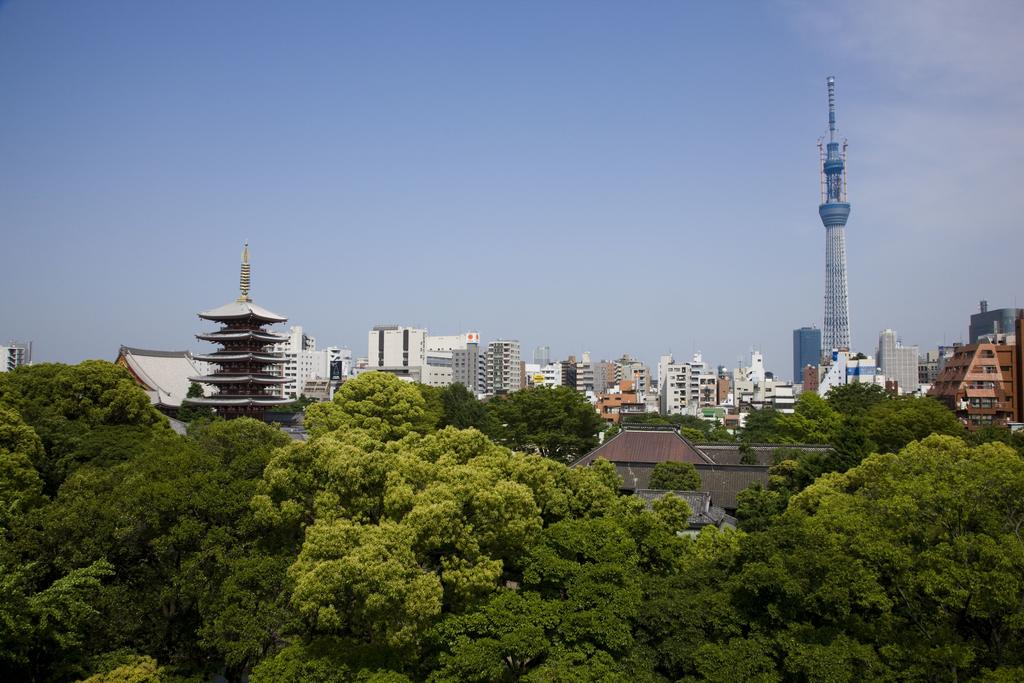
x: 980, y: 383
x: 610, y: 406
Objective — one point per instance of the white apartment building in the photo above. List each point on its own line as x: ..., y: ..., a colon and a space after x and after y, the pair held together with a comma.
x: 303, y: 361
x: 14, y: 355
x: 549, y: 375
x: 755, y: 388
x: 503, y: 367
x: 898, y: 362
x: 585, y: 374
x: 685, y: 388
x: 846, y: 368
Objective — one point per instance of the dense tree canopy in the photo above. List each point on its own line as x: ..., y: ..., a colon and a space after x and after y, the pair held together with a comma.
x: 559, y: 422
x: 388, y: 550
x: 675, y: 476
x: 377, y: 402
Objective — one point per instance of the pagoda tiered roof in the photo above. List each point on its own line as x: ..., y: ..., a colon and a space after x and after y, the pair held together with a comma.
x: 227, y: 400
x: 239, y: 335
x: 248, y: 378
x: 242, y: 310
x: 224, y: 378
x: 232, y: 357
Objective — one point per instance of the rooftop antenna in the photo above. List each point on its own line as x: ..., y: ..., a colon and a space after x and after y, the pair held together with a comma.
x: 831, y: 108
x: 245, y: 276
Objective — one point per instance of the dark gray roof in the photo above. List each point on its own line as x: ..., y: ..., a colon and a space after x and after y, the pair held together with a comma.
x: 725, y: 481
x: 703, y: 512
x: 635, y: 452
x: 728, y: 453
x: 645, y: 446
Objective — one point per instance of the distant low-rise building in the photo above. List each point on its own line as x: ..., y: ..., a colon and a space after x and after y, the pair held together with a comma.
x: 618, y: 401
x: 629, y: 368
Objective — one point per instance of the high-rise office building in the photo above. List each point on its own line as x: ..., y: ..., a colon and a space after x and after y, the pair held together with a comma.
x: 806, y: 350
x: 995, y: 322
x: 503, y: 367
x: 834, y: 210
x: 542, y: 355
x: 898, y: 362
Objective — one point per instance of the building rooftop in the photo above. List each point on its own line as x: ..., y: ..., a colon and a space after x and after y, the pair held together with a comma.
x: 242, y: 310
x: 703, y: 513
x: 638, y: 448
x: 646, y: 446
x: 163, y: 375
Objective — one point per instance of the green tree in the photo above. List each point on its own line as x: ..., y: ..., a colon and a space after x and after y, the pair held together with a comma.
x: 764, y: 426
x: 174, y: 521
x: 893, y: 424
x: 377, y: 402
x: 906, y: 565
x: 558, y: 423
x: 191, y: 413
x: 692, y: 434
x: 463, y: 410
x: 45, y: 627
x: 856, y: 399
x: 21, y: 488
x: 65, y: 403
x: 757, y: 508
x: 433, y: 399
x: 675, y: 476
x: 720, y: 433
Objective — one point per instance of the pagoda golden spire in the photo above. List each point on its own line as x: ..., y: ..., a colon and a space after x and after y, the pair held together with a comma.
x: 243, y: 280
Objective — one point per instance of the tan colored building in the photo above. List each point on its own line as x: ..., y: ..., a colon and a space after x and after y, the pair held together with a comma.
x: 979, y: 384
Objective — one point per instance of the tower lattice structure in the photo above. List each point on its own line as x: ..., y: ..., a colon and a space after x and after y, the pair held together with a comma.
x: 834, y: 211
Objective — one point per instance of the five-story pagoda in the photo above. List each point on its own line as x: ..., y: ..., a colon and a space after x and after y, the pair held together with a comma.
x: 246, y: 375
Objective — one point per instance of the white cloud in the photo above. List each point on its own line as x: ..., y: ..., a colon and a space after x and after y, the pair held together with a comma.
x: 949, y: 47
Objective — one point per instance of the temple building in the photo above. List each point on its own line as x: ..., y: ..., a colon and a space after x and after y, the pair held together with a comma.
x: 165, y: 376
x: 246, y: 376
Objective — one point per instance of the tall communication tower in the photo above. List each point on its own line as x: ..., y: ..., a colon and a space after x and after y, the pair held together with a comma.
x: 834, y: 210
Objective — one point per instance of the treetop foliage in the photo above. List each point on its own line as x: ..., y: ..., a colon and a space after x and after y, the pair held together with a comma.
x: 391, y: 550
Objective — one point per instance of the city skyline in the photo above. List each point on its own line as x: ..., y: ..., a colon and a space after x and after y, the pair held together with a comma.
x: 416, y: 172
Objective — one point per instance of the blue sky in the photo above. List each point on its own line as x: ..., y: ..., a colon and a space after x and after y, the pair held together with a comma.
x: 611, y: 177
